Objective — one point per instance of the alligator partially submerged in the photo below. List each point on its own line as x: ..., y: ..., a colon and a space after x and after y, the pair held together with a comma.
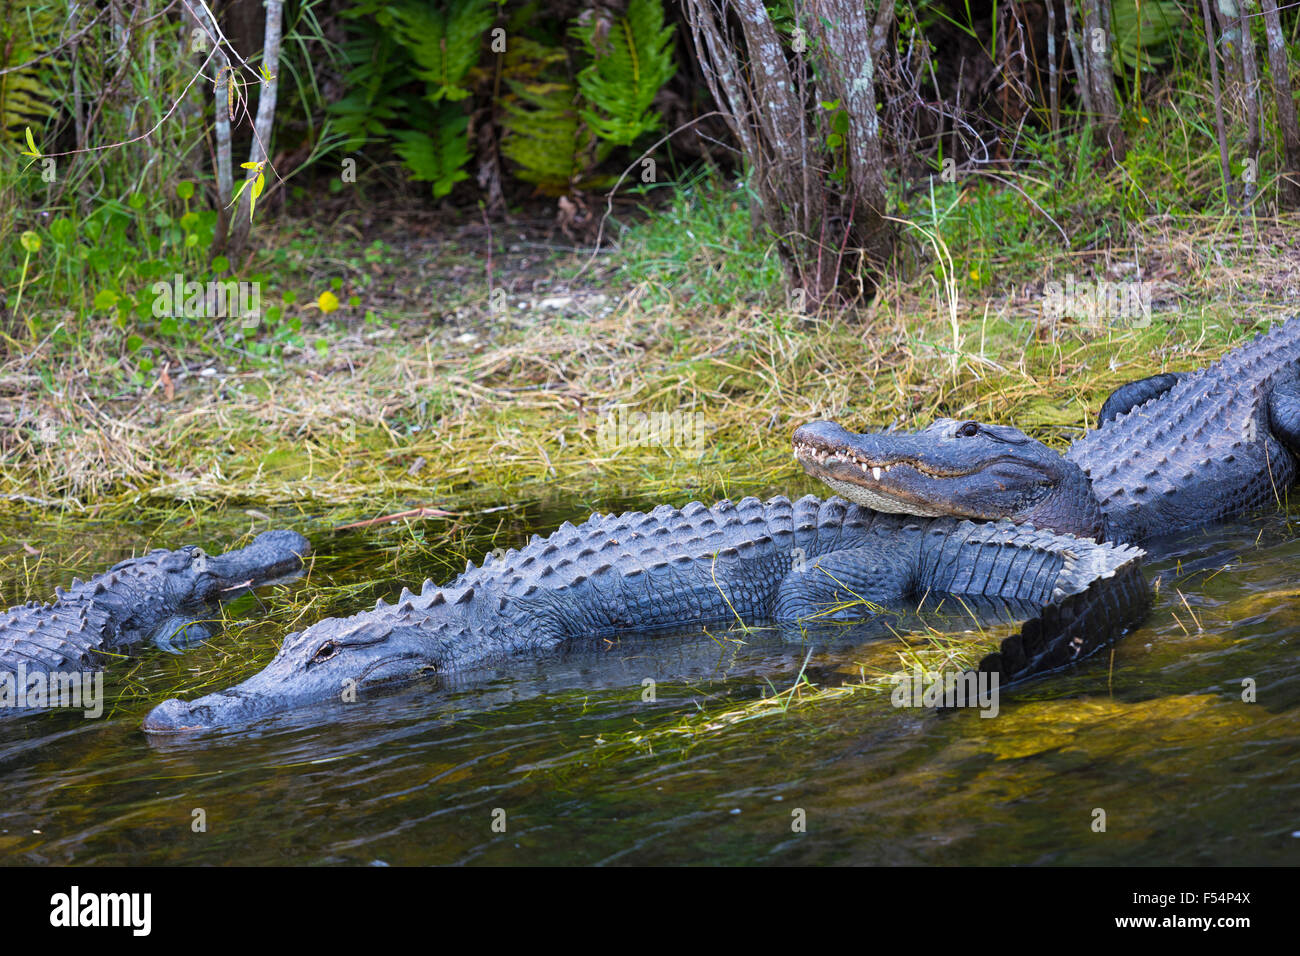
x: 156, y: 597
x: 747, y: 562
x: 1172, y: 452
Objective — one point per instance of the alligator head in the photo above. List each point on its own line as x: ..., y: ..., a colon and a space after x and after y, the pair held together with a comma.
x: 962, y: 469
x: 328, y: 661
x: 195, y: 578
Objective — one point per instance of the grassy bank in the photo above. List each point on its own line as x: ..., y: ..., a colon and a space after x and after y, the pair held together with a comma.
x: 422, y: 389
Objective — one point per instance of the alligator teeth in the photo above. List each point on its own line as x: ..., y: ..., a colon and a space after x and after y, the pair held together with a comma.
x: 876, y: 473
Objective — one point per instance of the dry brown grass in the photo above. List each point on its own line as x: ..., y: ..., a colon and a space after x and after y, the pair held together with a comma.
x: 479, y: 411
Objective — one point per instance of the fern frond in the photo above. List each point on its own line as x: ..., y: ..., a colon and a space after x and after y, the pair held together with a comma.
x: 628, y: 67
x: 372, y: 100
x: 544, y: 136
x: 444, y: 45
x: 25, y: 100
x: 439, y: 152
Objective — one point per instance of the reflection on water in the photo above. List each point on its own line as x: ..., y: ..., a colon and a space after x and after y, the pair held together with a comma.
x: 1155, y: 736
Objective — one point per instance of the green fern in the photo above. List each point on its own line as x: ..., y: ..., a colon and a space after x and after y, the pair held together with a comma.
x: 24, y: 99
x: 544, y: 134
x: 444, y: 45
x: 438, y: 152
x: 363, y: 115
x: 628, y: 67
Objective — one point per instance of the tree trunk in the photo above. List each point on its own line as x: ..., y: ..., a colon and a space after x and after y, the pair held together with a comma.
x: 1218, y: 100
x: 1250, y: 81
x: 821, y: 200
x: 262, y: 126
x: 1279, y: 64
x: 756, y: 91
x: 1083, y: 84
x: 1097, y: 42
x: 849, y: 74
x: 220, y: 63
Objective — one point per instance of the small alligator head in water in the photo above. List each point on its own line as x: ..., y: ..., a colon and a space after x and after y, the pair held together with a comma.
x: 194, y: 579
x: 962, y: 469
x: 327, y: 661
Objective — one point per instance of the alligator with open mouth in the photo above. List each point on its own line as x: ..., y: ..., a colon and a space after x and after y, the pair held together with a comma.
x: 160, y: 596
x: 1171, y: 452
x: 747, y: 562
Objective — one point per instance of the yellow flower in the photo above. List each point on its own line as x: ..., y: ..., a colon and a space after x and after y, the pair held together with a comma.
x: 975, y: 274
x: 328, y: 302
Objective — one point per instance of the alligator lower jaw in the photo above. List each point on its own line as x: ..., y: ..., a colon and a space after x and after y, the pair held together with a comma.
x: 879, y: 501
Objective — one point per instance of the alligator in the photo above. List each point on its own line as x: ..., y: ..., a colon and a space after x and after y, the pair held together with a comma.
x: 159, y: 597
x: 1171, y: 452
x: 748, y: 562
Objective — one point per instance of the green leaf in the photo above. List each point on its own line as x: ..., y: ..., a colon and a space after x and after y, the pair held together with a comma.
x: 62, y: 229
x: 185, y: 189
x: 106, y: 299
x: 133, y: 343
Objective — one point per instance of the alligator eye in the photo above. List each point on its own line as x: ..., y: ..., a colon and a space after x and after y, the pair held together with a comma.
x: 968, y: 430
x: 200, y: 561
x: 326, y: 651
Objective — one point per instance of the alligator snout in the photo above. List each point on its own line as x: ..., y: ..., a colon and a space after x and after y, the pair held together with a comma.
x: 174, y: 716
x: 270, y: 555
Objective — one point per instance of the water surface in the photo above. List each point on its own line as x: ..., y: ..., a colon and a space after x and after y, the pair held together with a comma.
x: 581, y: 768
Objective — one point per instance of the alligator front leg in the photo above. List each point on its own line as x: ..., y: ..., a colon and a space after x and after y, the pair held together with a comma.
x: 1132, y: 394
x: 180, y: 633
x: 1284, y: 413
x: 845, y: 584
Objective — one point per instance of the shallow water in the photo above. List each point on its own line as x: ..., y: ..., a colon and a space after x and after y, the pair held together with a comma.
x: 1157, y: 736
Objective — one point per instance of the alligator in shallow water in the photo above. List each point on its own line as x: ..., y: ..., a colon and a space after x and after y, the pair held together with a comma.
x: 1172, y: 451
x: 159, y: 597
x: 750, y: 562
